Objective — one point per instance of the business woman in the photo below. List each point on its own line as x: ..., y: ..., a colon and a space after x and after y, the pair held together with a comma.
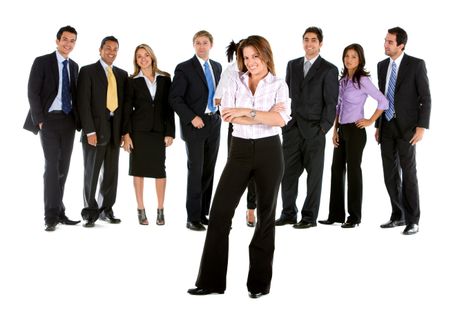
x: 257, y: 108
x: 349, y: 136
x: 148, y: 127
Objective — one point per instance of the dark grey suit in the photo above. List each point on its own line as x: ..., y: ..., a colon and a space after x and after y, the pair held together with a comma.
x: 313, y: 106
x: 95, y: 117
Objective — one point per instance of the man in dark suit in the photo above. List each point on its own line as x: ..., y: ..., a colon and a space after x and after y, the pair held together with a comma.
x: 101, y: 90
x: 404, y: 80
x: 313, y: 88
x: 191, y: 97
x: 52, y: 95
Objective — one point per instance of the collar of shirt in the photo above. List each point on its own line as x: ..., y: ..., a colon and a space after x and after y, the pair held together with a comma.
x: 268, y: 79
x: 202, y: 62
x: 311, y: 60
x: 141, y: 74
x: 398, y: 61
x: 60, y: 58
x: 105, y: 66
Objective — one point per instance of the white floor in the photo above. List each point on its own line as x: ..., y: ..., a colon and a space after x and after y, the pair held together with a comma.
x: 128, y: 267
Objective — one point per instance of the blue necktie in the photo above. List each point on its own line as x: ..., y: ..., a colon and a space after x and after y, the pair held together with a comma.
x: 389, y: 113
x: 65, y: 94
x: 210, y: 82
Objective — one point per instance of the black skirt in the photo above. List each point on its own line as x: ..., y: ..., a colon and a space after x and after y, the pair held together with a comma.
x: 148, y: 157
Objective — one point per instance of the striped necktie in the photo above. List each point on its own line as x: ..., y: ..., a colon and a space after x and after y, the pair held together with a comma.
x: 390, y: 112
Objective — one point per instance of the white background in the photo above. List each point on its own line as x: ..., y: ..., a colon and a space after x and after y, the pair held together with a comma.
x: 129, y: 267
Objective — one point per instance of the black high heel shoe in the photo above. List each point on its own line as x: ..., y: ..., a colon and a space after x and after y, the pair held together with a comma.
x: 142, y: 217
x: 160, y: 216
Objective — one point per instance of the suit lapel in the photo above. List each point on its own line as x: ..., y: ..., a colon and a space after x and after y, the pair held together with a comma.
x: 314, y: 68
x: 101, y: 74
x: 143, y: 86
x: 402, y: 70
x: 55, y: 70
x: 198, y: 69
x: 382, y: 75
x: 216, y: 71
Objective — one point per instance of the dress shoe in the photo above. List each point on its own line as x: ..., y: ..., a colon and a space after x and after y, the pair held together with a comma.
x: 195, y: 226
x: 256, y: 295
x: 411, y: 229
x: 67, y: 221
x: 283, y: 221
x: 349, y: 225
x: 201, y: 291
x: 89, y: 223
x: 327, y: 222
x: 204, y: 220
x: 109, y: 217
x: 304, y: 225
x: 393, y: 223
x: 50, y: 227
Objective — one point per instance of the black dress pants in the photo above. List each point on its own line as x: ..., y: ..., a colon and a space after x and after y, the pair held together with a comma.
x: 261, y: 159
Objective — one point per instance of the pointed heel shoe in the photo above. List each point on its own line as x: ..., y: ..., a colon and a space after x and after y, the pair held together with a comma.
x: 160, y: 217
x: 142, y: 217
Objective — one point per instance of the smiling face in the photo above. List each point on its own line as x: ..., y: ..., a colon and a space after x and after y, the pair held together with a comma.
x: 202, y: 45
x: 390, y: 46
x: 108, y: 52
x: 311, y: 45
x: 144, y: 59
x: 254, y: 62
x: 66, y: 44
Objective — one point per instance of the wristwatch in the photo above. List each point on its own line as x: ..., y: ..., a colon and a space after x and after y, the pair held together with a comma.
x: 253, y: 113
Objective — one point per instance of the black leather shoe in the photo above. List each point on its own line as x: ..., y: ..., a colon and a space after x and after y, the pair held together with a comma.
x: 50, y: 227
x: 256, y: 295
x: 109, y: 217
x: 304, y: 225
x: 204, y: 220
x: 392, y: 223
x: 411, y: 229
x: 349, y: 225
x: 201, y: 292
x: 283, y: 221
x: 195, y: 226
x: 89, y: 223
x: 327, y: 222
x: 67, y: 221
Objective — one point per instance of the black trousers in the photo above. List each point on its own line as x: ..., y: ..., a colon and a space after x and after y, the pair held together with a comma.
x: 202, y: 153
x: 101, y: 167
x: 400, y: 173
x: 251, y: 187
x: 347, y: 157
x: 299, y: 154
x: 263, y: 160
x: 57, y: 135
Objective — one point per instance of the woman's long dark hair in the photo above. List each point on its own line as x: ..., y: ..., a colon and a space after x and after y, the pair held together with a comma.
x: 360, y: 70
x: 232, y: 50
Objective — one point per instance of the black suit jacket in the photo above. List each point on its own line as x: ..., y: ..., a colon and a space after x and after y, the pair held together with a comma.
x: 189, y: 93
x: 94, y: 116
x: 412, y: 99
x: 43, y: 87
x: 142, y: 113
x: 314, y: 97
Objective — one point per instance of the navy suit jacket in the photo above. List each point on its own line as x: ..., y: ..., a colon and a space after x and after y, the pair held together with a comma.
x: 94, y: 116
x: 314, y: 97
x: 412, y: 99
x: 43, y: 87
x: 189, y: 93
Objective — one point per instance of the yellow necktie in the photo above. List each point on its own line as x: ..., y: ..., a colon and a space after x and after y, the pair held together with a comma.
x: 111, y: 96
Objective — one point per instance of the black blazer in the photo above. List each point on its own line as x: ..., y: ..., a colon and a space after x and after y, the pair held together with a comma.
x: 142, y: 113
x: 94, y: 116
x: 43, y: 87
x: 314, y: 97
x: 189, y: 93
x: 412, y: 100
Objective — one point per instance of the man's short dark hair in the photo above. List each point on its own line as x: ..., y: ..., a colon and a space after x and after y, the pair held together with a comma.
x: 315, y: 30
x: 67, y: 28
x: 400, y: 34
x: 108, y: 38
